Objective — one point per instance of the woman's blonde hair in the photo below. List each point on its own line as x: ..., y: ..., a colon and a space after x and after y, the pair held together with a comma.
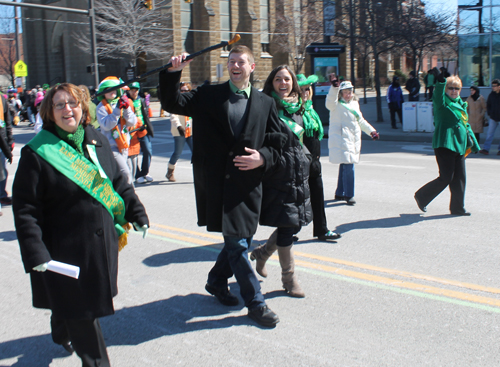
x: 453, y: 81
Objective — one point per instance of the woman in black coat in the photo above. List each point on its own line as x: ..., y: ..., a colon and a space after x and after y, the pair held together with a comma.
x: 285, y: 200
x: 58, y: 217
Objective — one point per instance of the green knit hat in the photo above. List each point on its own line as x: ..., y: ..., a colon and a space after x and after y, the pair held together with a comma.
x: 110, y: 81
x: 302, y: 80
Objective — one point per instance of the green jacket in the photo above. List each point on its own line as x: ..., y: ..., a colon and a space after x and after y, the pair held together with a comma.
x: 449, y: 131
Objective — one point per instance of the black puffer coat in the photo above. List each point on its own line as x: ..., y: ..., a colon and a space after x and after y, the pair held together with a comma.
x: 286, y: 196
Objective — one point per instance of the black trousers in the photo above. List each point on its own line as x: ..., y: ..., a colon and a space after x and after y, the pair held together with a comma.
x: 451, y: 173
x: 393, y: 112
x: 318, y: 206
x: 285, y: 235
x: 86, y: 338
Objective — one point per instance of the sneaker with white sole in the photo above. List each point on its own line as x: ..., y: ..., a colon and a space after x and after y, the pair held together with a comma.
x: 149, y: 178
x: 141, y: 180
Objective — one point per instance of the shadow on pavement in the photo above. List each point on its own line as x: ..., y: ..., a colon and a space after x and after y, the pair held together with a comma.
x: 402, y: 220
x: 184, y: 255
x: 134, y: 326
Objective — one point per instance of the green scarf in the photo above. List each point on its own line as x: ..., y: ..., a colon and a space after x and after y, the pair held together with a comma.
x: 312, y: 122
x: 87, y: 174
x: 113, y: 101
x: 74, y: 139
x: 458, y: 107
x: 291, y: 108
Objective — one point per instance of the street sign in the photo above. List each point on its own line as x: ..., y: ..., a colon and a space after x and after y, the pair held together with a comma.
x: 19, y: 82
x: 20, y: 69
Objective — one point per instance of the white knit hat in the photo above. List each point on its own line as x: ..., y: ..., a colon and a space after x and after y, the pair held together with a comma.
x: 345, y: 85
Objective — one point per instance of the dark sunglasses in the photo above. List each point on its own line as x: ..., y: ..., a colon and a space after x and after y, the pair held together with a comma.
x: 453, y: 88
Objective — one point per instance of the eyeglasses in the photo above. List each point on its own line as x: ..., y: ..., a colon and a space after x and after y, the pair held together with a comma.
x: 453, y: 88
x: 61, y: 105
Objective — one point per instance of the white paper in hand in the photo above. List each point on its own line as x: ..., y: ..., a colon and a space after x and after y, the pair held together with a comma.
x: 64, y: 269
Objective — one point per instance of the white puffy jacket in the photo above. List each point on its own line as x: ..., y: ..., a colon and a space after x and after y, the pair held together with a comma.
x: 344, y: 136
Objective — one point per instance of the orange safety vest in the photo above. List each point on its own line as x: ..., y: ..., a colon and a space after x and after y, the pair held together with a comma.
x: 117, y: 131
x: 140, y: 133
x: 189, y: 130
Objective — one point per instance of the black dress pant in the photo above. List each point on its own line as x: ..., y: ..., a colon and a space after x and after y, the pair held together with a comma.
x: 451, y: 173
x: 86, y: 338
x: 318, y: 206
x: 393, y: 112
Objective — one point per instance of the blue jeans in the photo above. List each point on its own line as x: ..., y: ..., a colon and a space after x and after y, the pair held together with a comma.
x: 179, y: 142
x: 31, y: 115
x: 345, y: 184
x: 491, y: 133
x: 233, y: 260
x: 147, y: 152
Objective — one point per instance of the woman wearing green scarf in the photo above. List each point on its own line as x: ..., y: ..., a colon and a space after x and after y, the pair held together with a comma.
x: 70, y: 203
x: 313, y: 127
x: 285, y: 199
x: 453, y: 140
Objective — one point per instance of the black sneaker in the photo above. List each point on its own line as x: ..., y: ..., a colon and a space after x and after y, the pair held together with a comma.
x: 422, y: 208
x: 264, y: 316
x: 465, y: 213
x: 223, y: 295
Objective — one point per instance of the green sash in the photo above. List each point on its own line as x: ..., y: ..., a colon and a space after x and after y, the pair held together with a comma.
x: 349, y: 109
x: 64, y: 158
x: 296, y: 128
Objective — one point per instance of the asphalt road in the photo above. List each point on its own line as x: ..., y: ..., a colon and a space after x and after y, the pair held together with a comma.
x: 400, y: 288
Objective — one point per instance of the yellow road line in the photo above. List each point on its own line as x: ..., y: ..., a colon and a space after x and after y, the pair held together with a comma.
x: 359, y: 275
x: 181, y: 238
x: 402, y: 273
x: 402, y: 284
x: 208, y: 235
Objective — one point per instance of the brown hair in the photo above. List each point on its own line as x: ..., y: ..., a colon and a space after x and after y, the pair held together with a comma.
x: 47, y: 108
x: 85, y: 90
x: 242, y: 49
x: 269, y: 87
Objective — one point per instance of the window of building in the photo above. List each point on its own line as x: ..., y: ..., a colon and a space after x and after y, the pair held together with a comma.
x: 225, y: 20
x: 264, y: 25
x: 185, y: 24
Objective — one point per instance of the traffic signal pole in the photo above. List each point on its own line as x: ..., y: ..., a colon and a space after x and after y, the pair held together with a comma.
x: 90, y: 13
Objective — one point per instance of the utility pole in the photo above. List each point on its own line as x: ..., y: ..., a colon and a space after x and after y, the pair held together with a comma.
x: 18, y: 39
x: 352, y: 43
x: 93, y: 43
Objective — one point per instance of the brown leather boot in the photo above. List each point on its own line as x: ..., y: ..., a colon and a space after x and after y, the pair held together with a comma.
x: 263, y: 253
x: 288, y: 277
x: 170, y: 173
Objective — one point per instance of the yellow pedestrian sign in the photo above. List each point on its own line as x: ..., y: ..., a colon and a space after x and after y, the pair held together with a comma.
x: 20, y: 69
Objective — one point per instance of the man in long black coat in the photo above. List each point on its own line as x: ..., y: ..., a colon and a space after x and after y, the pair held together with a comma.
x: 235, y: 140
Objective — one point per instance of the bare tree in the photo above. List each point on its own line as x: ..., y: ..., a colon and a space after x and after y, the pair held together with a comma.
x: 422, y: 32
x: 375, y: 25
x: 302, y: 26
x: 126, y: 29
x: 8, y: 57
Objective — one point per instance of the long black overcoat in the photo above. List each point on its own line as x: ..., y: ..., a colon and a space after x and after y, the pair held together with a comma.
x: 228, y: 200
x: 56, y: 220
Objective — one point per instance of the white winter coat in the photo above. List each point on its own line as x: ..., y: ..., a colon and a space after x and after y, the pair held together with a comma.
x: 344, y: 137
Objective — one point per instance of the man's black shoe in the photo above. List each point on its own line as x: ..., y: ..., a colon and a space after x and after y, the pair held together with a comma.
x: 264, y: 316
x: 223, y: 295
x: 337, y: 197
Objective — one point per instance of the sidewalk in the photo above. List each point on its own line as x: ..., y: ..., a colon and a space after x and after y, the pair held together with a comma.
x: 369, y: 111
